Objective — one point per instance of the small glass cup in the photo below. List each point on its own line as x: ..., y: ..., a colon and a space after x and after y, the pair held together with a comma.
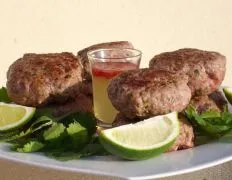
x: 105, y: 64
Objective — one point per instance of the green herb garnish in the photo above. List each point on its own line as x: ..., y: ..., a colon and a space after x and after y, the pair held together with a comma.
x: 31, y: 146
x: 212, y: 123
x: 66, y: 138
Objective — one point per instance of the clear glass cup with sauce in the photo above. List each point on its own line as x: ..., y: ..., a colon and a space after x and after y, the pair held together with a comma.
x: 106, y: 64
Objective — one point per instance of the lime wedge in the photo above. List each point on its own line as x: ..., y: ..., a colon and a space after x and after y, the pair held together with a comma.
x: 142, y: 140
x: 13, y: 116
x: 228, y: 94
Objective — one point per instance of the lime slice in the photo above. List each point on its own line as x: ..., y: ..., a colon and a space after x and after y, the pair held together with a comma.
x: 13, y: 116
x: 228, y: 94
x: 142, y: 140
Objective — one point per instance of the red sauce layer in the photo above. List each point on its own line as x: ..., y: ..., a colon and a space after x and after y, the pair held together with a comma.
x: 111, y: 69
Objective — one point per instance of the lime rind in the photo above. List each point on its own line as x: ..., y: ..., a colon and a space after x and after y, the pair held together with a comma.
x: 174, y: 125
x: 30, y: 111
x: 133, y: 154
x: 228, y: 93
x: 140, y: 153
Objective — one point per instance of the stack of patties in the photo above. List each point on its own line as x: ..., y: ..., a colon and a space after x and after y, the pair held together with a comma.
x: 61, y: 81
x: 173, y: 81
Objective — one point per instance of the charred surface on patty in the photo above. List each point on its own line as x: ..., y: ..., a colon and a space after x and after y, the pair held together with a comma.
x: 206, y: 69
x: 146, y: 92
x: 39, y: 79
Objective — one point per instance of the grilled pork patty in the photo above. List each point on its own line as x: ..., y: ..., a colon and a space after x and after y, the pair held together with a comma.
x: 205, y: 69
x: 40, y: 79
x: 146, y: 92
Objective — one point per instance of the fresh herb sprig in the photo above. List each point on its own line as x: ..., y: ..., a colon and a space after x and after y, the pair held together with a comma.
x: 65, y: 138
x: 212, y: 123
x: 71, y: 137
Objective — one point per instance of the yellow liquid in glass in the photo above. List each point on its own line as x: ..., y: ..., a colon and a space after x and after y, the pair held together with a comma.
x: 102, y: 73
x: 103, y: 108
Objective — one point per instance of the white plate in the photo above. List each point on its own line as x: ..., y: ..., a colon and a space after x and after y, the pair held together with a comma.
x: 168, y: 164
x: 161, y: 166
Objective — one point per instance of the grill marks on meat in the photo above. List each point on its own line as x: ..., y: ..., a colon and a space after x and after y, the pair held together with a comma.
x: 39, y: 79
x: 205, y: 69
x: 146, y: 92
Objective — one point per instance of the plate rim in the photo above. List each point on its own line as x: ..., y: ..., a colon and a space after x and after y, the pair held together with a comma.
x: 107, y: 174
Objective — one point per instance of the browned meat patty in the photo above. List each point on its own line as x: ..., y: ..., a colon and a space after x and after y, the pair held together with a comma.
x: 206, y: 69
x: 121, y: 119
x: 82, y: 55
x: 185, y: 139
x: 147, y: 92
x: 81, y: 103
x: 39, y: 79
x: 215, y: 101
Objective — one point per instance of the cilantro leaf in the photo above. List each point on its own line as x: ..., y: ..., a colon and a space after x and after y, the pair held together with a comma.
x: 7, y: 136
x: 31, y: 146
x: 74, y: 128
x: 78, y: 134
x: 63, y: 156
x: 86, y: 120
x: 55, y: 131
x: 40, y: 123
x: 227, y: 117
x: 23, y: 135
x: 63, y: 138
x: 210, y: 114
x: 90, y: 150
x: 93, y: 148
x: 212, y: 123
x: 4, y: 96
x: 20, y: 137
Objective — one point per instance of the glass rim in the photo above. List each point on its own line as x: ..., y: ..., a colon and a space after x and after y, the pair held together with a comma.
x: 90, y: 53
